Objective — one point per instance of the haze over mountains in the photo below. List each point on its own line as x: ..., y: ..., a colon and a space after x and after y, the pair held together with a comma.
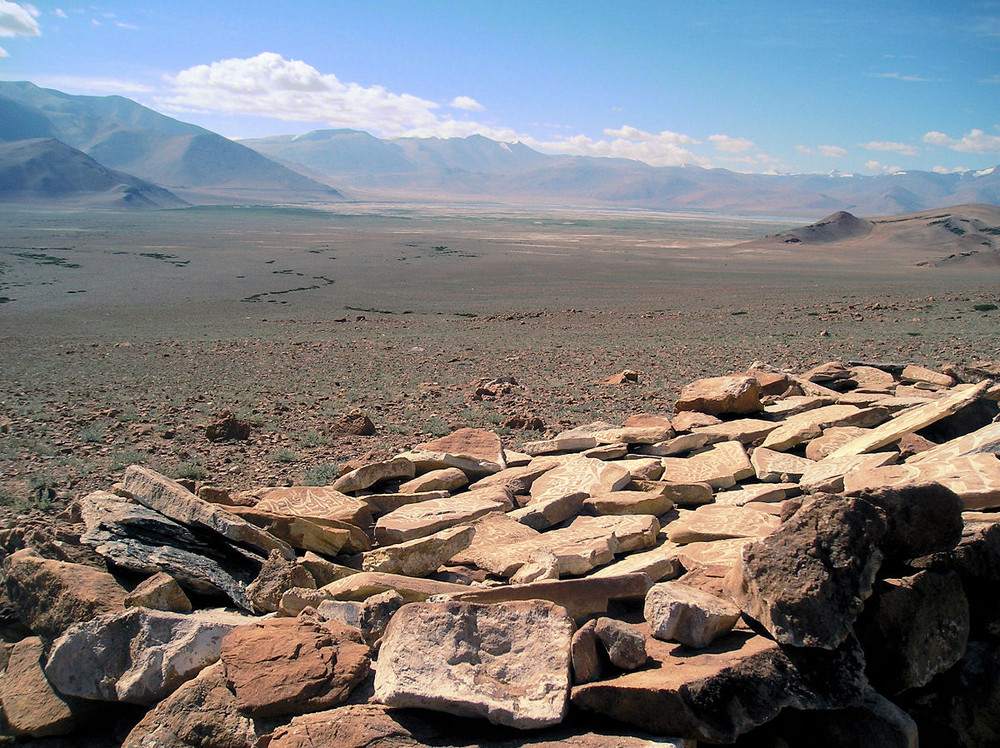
x: 200, y: 166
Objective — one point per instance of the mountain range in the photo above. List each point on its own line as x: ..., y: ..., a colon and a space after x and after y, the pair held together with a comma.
x: 193, y: 164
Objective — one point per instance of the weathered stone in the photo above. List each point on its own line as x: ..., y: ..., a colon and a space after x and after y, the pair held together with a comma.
x: 777, y: 467
x: 419, y: 557
x: 367, y: 476
x: 975, y: 478
x: 170, y: 498
x: 50, y: 596
x: 873, y: 720
x: 718, y: 522
x: 829, y: 374
x: 792, y: 405
x: 140, y: 539
x: 326, y: 536
x: 771, y: 382
x: 583, y: 475
x: 912, y: 629
x: 606, y: 452
x: 657, y: 563
x: 720, y: 466
x: 983, y: 440
x: 689, y: 420
x: 297, y: 599
x: 30, y: 704
x: 560, y: 444
x: 446, y: 479
x: 316, y: 502
x: 277, y: 576
x: 517, y: 479
x: 139, y: 656
x: 754, y: 492
x: 827, y: 475
x: 355, y: 423
x: 682, y: 494
x: 914, y: 373
x: 680, y: 613
x: 803, y: 427
x: 643, y: 468
x: 581, y: 597
x: 921, y: 518
x: 369, y: 583
x: 632, y: 532
x: 718, y: 395
x: 625, y: 645
x: 159, y: 592
x: 681, y: 444
x: 293, y: 665
x: 807, y: 581
x: 383, y: 503
x: 376, y: 612
x: 322, y: 570
x: 725, y: 690
x: 227, y: 427
x: 428, y: 517
x: 745, y: 430
x: 474, y: 451
x: 203, y: 712
x: 541, y: 564
x: 494, y: 532
x: 634, y: 434
x: 832, y: 439
x: 628, y: 502
x: 585, y: 658
x: 873, y: 379
x: 550, y: 511
x: 716, y: 558
x: 912, y: 420
x: 507, y: 662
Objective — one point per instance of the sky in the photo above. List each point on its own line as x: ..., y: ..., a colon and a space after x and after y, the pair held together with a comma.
x: 762, y: 86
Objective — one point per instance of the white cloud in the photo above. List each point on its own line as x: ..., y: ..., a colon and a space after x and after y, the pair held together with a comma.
x: 878, y: 168
x: 18, y: 19
x: 731, y: 145
x: 975, y: 141
x: 60, y: 12
x: 946, y: 170
x: 881, y: 145
x: 994, y: 80
x: 467, y: 103
x: 907, y: 78
x: 803, y: 149
x: 658, y: 149
x: 96, y: 86
x: 831, y: 151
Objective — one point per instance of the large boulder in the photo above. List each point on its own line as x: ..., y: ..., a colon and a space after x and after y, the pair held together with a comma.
x: 807, y: 581
x: 719, y: 395
x: 293, y: 665
x: 139, y: 656
x: 50, y: 596
x: 507, y: 662
x: 922, y: 518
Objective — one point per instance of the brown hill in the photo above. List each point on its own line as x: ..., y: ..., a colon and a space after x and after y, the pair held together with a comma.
x: 967, y: 234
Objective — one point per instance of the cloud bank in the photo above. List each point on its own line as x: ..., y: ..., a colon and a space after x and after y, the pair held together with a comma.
x: 17, y: 20
x: 975, y: 141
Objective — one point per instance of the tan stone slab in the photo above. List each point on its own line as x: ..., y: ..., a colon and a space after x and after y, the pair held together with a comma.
x: 692, y: 419
x: 477, y: 452
x: 873, y: 379
x: 755, y: 492
x: 832, y: 439
x: 715, y: 558
x: 606, y: 452
x: 427, y: 517
x: 577, y: 550
x: 682, y: 494
x: 984, y: 440
x: 896, y: 403
x: 808, y: 425
x: 914, y: 373
x: 795, y: 404
x: 912, y: 420
x: 560, y: 444
x: 812, y: 388
x: 316, y: 502
x: 975, y: 478
x: 861, y: 399
x: 719, y: 522
x: 365, y: 584
x: 643, y: 468
x: 634, y: 435
x: 446, y: 479
x: 721, y: 466
x: 681, y: 444
x: 383, y: 503
x: 628, y: 502
x: 744, y: 430
x: 718, y: 395
x: 518, y: 479
x: 541, y: 514
x: 828, y: 474
x: 419, y: 557
x: 775, y: 467
x: 633, y: 532
x: 921, y: 390
x: 658, y: 564
x: 326, y: 536
x: 581, y: 597
x: 367, y: 476
x: 494, y: 532
x: 584, y: 475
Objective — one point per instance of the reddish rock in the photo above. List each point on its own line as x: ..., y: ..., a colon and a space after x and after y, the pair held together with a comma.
x: 227, y: 427
x: 718, y: 395
x: 355, y: 423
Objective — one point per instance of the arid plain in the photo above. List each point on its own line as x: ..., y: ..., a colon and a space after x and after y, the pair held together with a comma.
x: 123, y: 334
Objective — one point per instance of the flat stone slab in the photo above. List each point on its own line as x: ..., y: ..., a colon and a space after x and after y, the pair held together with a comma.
x: 474, y: 451
x: 419, y: 557
x: 832, y: 439
x: 681, y: 444
x: 975, y: 478
x: 790, y: 406
x: 720, y: 466
x: 446, y: 479
x: 507, y: 662
x: 774, y: 467
x: 326, y: 536
x: 828, y: 474
x: 745, y: 430
x: 984, y: 440
x: 755, y: 492
x: 518, y: 479
x: 493, y: 533
x: 677, y: 612
x: 718, y: 395
x: 583, y: 475
x: 366, y: 476
x: 581, y: 597
x: 633, y: 532
x: 383, y: 503
x: 808, y: 425
x: 427, y: 517
x: 714, y: 558
x: 365, y: 584
x: 316, y: 502
x: 559, y: 444
x: 628, y: 502
x: 657, y: 563
x: 577, y: 550
x: 909, y: 421
x: 719, y: 522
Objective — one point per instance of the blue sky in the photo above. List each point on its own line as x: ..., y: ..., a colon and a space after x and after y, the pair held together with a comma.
x: 761, y: 86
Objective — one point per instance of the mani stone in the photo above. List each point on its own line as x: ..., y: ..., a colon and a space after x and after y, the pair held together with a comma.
x: 914, y: 373
x: 30, y: 704
x: 720, y: 466
x: 316, y: 502
x: 754, y: 492
x: 687, y: 615
x: 580, y: 475
x: 170, y: 498
x: 828, y: 474
x: 775, y: 467
x: 326, y: 536
x: 428, y: 517
x: 578, y: 549
x: 806, y: 426
x: 473, y: 451
x: 139, y: 656
x: 50, y: 596
x: 494, y: 532
x: 541, y: 564
x: 689, y: 420
x: 419, y: 557
x: 975, y: 478
x: 550, y: 511
x: 983, y: 440
x: 293, y: 665
x: 446, y: 479
x: 680, y: 444
x: 714, y: 558
x: 719, y: 395
x: 557, y: 444
x: 745, y: 430
x: 718, y: 693
x: 628, y: 502
x: 383, y: 503
x: 632, y: 532
x: 806, y: 582
x: 367, y: 476
x: 657, y: 563
x: 518, y: 478
x: 719, y: 522
x: 507, y: 662
x: 833, y: 438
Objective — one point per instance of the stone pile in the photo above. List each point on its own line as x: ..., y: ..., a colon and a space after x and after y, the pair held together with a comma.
x: 785, y: 560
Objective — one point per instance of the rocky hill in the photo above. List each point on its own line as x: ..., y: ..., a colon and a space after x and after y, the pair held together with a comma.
x: 787, y: 559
